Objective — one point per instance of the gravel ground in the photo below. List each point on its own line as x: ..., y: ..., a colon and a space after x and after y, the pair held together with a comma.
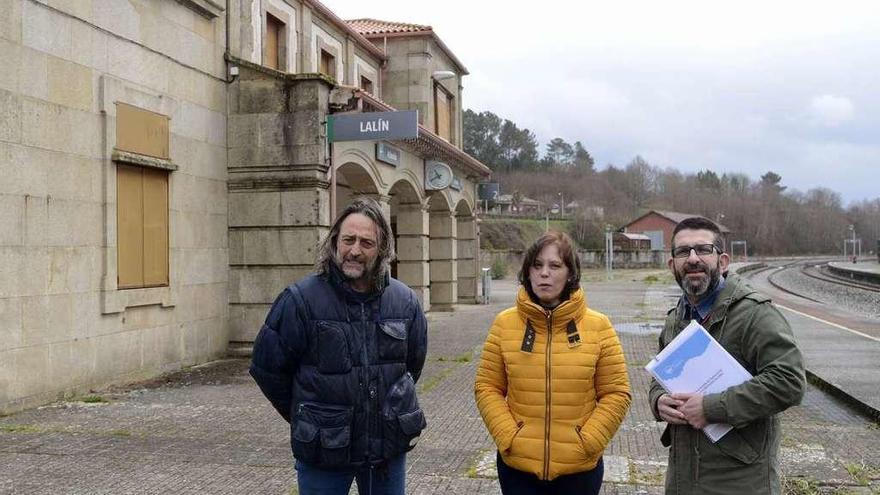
x: 859, y: 301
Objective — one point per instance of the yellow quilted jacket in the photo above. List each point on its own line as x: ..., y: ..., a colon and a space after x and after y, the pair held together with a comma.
x: 553, y: 408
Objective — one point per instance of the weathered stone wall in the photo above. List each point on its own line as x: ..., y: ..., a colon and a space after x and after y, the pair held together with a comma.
x: 64, y: 327
x: 278, y: 189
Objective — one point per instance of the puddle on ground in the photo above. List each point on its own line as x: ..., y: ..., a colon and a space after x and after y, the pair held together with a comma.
x: 643, y: 328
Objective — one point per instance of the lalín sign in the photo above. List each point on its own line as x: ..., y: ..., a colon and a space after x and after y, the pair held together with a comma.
x: 373, y: 125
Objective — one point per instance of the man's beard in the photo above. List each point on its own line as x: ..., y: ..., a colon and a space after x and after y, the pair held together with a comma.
x: 700, y: 286
x: 354, y: 268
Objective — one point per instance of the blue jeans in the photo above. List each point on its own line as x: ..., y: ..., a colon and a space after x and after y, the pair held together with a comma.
x: 385, y: 480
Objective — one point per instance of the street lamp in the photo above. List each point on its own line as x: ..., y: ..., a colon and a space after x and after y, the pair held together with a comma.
x: 561, y: 203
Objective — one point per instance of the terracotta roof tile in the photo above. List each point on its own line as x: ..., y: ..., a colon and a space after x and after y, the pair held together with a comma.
x: 374, y: 26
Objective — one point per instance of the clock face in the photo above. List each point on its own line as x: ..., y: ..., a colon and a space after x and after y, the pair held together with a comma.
x: 438, y: 175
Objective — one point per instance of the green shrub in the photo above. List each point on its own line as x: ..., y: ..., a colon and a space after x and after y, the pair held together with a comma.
x: 499, y: 267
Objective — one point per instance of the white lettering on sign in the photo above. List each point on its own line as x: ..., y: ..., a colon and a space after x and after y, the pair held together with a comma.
x: 375, y: 125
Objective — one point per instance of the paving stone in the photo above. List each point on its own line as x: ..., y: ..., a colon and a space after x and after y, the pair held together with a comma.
x: 209, y: 429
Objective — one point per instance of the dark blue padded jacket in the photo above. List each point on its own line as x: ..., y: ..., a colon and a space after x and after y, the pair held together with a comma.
x: 341, y: 367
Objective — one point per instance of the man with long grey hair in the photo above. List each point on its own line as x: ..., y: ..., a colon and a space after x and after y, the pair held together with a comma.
x: 338, y: 357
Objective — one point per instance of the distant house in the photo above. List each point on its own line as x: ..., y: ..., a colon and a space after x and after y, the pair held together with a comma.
x: 504, y: 203
x: 626, y: 241
x: 658, y: 226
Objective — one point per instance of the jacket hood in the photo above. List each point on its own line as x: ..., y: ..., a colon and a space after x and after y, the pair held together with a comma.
x: 571, y: 309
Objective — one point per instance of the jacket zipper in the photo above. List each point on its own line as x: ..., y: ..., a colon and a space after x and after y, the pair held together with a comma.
x: 367, y: 381
x: 549, y: 315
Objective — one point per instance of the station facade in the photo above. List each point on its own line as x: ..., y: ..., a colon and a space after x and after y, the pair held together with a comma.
x: 166, y: 172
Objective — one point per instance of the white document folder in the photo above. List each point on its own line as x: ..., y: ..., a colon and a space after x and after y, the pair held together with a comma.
x: 696, y: 362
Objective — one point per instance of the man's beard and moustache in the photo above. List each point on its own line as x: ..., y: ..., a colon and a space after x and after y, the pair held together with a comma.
x: 697, y: 287
x: 355, y: 267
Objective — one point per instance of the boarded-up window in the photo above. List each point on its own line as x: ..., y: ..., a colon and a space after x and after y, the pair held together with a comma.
x: 443, y: 112
x: 366, y: 85
x: 274, y: 33
x: 141, y: 131
x: 328, y: 64
x: 142, y: 226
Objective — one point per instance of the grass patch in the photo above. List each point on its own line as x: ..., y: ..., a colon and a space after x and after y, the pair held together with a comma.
x: 120, y: 433
x: 94, y: 399
x: 799, y: 486
x: 461, y: 358
x: 15, y: 428
x: 861, y: 472
x: 431, y: 383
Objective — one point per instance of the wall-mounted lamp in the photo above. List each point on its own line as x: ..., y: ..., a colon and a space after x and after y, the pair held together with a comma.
x: 440, y: 75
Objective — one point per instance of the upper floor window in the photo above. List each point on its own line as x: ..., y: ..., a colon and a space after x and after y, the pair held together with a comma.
x: 366, y: 85
x: 443, y: 112
x: 328, y: 64
x: 275, y: 33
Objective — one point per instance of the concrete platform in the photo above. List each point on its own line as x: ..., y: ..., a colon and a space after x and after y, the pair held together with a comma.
x: 867, y: 271
x: 209, y: 430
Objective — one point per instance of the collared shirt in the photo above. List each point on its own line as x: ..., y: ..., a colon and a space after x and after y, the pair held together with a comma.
x: 704, y: 306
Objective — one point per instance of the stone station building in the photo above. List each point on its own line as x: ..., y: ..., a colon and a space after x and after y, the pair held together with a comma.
x: 165, y: 172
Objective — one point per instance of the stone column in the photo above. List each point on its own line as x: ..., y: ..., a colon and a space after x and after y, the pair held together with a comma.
x: 412, y: 250
x: 444, y: 269
x: 278, y: 191
x: 466, y: 249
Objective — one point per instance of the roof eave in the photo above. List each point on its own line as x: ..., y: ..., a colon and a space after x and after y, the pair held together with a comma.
x: 341, y: 24
x: 408, y: 34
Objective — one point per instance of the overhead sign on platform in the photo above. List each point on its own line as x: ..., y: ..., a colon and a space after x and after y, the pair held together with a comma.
x: 371, y: 126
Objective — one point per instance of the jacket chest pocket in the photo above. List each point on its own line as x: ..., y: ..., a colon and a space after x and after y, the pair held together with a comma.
x: 392, y: 341
x: 333, y: 353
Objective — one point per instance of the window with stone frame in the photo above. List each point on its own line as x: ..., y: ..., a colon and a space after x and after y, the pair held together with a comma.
x: 142, y: 230
x: 275, y: 33
x: 327, y: 64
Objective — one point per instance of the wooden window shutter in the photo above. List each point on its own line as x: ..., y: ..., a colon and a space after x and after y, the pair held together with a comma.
x: 142, y: 226
x: 129, y: 232
x: 274, y: 30
x: 442, y: 112
x: 155, y: 227
x: 328, y: 64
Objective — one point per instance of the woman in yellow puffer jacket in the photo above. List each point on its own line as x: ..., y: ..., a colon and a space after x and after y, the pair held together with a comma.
x: 552, y: 385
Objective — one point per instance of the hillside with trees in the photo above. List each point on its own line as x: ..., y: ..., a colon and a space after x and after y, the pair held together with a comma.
x: 771, y: 217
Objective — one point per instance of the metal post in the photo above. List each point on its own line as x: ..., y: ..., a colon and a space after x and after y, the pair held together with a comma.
x: 609, y: 253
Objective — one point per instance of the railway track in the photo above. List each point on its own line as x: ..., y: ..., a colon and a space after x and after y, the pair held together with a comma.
x: 813, y: 269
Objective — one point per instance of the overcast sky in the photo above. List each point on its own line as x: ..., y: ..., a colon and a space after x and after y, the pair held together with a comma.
x: 747, y: 86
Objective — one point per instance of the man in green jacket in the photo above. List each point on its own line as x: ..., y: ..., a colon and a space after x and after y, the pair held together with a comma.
x: 756, y: 334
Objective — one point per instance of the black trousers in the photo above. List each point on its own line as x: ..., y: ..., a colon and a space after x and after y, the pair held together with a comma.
x: 515, y: 482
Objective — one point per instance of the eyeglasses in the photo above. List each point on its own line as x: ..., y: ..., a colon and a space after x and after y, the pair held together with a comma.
x: 700, y: 249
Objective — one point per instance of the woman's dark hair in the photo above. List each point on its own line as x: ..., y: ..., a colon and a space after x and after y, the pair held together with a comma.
x: 566, y: 252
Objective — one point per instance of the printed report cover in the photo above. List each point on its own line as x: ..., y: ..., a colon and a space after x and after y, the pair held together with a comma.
x: 696, y: 362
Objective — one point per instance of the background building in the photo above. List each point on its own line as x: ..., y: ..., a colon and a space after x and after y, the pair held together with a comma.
x: 166, y: 172
x: 659, y: 225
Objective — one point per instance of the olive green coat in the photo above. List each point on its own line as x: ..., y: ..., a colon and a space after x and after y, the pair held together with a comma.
x: 745, y: 460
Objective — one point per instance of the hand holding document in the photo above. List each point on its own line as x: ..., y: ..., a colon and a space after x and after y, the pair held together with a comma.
x: 696, y: 362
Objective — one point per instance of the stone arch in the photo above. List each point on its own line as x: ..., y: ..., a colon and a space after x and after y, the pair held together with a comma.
x: 353, y: 180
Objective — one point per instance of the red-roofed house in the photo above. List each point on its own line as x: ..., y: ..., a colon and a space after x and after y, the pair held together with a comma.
x: 658, y: 226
